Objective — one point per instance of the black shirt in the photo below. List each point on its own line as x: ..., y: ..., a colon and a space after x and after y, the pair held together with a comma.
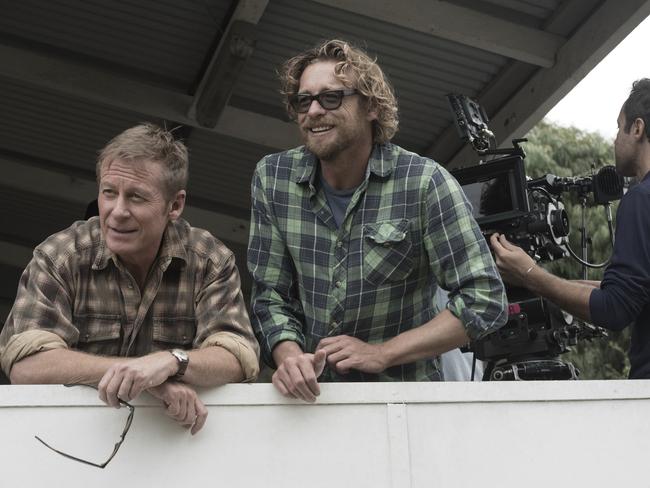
x: 624, y: 294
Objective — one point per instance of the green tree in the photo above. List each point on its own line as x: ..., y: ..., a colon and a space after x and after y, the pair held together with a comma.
x: 552, y: 149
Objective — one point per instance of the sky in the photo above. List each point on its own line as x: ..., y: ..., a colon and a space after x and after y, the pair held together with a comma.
x: 593, y: 105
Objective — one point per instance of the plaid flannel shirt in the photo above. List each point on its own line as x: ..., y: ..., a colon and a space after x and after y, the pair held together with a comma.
x: 408, y: 229
x: 75, y: 293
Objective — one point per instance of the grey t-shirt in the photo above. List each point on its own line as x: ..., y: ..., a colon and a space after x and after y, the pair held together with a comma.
x: 338, y: 200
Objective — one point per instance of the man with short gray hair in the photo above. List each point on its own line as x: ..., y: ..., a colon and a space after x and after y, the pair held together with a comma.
x: 136, y: 299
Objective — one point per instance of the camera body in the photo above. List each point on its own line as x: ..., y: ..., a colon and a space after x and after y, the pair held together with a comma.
x: 532, y: 217
x: 530, y: 213
x: 503, y: 202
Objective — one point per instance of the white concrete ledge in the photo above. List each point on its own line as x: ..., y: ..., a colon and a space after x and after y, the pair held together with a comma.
x: 533, y: 434
x: 355, y: 393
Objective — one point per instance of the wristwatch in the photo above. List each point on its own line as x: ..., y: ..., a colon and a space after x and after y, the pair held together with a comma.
x: 183, y: 360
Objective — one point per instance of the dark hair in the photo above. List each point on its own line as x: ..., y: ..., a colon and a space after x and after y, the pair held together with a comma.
x: 637, y: 105
x: 355, y: 69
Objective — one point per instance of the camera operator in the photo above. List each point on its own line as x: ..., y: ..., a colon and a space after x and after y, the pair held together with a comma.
x: 623, y: 296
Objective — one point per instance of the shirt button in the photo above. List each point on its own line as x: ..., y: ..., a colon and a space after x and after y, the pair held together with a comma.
x: 339, y: 244
x: 338, y: 284
x: 334, y: 325
x: 130, y: 285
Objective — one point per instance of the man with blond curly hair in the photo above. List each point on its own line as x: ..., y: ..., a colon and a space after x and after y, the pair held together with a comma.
x: 351, y: 236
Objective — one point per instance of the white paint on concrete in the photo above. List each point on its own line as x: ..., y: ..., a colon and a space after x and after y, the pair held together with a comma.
x: 533, y: 434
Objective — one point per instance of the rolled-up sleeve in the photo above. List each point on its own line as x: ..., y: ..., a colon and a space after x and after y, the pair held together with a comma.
x: 40, y: 318
x: 241, y: 348
x: 276, y: 313
x: 625, y: 288
x: 19, y: 346
x: 460, y: 258
x: 222, y: 319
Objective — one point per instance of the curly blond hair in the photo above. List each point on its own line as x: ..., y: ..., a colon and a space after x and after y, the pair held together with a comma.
x: 355, y: 69
x: 149, y: 142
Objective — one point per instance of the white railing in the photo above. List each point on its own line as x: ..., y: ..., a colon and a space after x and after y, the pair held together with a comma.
x: 523, y: 434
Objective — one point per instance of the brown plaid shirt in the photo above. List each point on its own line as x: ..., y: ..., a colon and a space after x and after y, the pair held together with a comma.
x: 76, y: 293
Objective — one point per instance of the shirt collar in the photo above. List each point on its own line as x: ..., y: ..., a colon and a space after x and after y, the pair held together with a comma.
x: 172, y: 247
x: 645, y: 177
x: 306, y: 169
x: 381, y: 163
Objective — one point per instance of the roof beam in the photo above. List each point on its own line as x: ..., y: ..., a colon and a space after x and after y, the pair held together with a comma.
x: 606, y: 27
x: 462, y: 25
x: 53, y: 184
x: 99, y: 86
x: 235, y: 47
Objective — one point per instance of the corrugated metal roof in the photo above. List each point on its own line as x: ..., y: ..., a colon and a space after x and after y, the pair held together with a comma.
x: 433, y: 67
x: 68, y: 132
x: 167, y: 43
x: 57, y: 128
x: 32, y: 220
x: 541, y: 9
x: 163, y: 40
x: 221, y: 168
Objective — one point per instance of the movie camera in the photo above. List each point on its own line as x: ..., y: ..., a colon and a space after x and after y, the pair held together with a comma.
x: 531, y: 213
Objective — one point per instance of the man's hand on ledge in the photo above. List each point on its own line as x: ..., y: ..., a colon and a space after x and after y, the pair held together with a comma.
x: 296, y: 376
x: 345, y: 353
x: 182, y: 404
x: 125, y: 380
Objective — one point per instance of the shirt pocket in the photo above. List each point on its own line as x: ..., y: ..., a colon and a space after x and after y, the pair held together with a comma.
x: 171, y: 333
x: 99, y: 334
x: 387, y: 251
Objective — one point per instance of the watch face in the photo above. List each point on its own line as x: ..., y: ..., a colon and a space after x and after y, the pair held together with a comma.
x: 181, y: 355
x: 183, y: 360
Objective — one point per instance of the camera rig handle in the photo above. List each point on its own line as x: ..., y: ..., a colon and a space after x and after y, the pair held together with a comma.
x: 515, y: 150
x: 471, y: 123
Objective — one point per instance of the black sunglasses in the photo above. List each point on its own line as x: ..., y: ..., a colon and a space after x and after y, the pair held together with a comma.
x: 329, y: 100
x: 127, y: 426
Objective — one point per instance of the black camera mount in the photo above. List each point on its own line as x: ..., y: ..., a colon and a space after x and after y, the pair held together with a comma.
x: 531, y: 214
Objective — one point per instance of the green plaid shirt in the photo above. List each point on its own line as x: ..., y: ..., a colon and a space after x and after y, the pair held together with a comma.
x: 408, y: 229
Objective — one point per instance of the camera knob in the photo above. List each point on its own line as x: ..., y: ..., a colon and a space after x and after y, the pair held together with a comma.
x: 559, y: 221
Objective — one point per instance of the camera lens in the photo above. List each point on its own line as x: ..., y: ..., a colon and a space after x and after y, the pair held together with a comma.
x: 559, y: 222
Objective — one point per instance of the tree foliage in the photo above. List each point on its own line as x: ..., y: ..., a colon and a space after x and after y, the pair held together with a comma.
x: 552, y: 149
